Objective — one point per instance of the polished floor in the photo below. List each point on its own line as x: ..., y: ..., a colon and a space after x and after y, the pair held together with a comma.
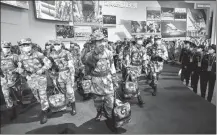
x: 175, y: 110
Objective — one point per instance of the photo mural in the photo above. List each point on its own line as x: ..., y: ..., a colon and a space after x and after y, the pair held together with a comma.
x: 138, y: 27
x: 87, y: 12
x: 64, y: 31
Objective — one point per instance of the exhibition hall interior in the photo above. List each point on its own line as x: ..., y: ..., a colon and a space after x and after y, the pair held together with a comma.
x: 108, y: 67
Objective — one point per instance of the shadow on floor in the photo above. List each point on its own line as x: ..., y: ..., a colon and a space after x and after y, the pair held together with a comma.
x: 89, y: 127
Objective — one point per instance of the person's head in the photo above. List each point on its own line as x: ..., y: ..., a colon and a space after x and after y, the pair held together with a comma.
x: 25, y: 45
x: 157, y: 40
x: 139, y: 40
x: 186, y: 44
x: 212, y: 49
x: 57, y: 45
x: 192, y: 47
x: 98, y: 39
x: 48, y: 45
x: 200, y: 48
x: 6, y: 47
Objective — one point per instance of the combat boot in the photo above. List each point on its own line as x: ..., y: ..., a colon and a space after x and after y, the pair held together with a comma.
x: 73, y: 112
x: 98, y: 115
x: 43, y: 117
x: 140, y: 101
x: 154, y: 93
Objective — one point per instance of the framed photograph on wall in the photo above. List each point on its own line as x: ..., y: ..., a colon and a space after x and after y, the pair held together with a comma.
x: 180, y: 14
x: 109, y: 20
x: 54, y: 10
x: 197, y: 22
x: 138, y: 27
x: 153, y: 13
x: 87, y: 12
x: 153, y: 27
x: 167, y: 14
x: 17, y: 3
x: 171, y: 29
x: 64, y: 32
x: 82, y: 33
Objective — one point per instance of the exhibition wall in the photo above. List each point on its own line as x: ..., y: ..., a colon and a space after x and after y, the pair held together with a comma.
x: 19, y: 23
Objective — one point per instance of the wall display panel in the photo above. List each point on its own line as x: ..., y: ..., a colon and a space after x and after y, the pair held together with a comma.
x: 64, y: 32
x: 173, y: 29
x: 153, y: 26
x: 167, y: 13
x: 138, y: 27
x: 153, y: 13
x: 16, y: 3
x: 109, y: 20
x: 103, y: 30
x: 180, y: 14
x: 196, y: 22
x: 54, y: 10
x: 87, y: 13
x: 82, y: 32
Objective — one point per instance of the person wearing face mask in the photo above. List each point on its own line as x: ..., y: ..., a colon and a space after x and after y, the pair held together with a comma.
x: 158, y: 54
x: 184, y: 59
x: 134, y: 61
x: 48, y: 47
x: 208, y: 72
x: 33, y: 65
x: 64, y: 74
x: 103, y: 75
x: 196, y: 67
x: 8, y: 69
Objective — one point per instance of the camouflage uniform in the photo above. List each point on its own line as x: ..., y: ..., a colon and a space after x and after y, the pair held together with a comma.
x: 102, y: 77
x: 135, y: 59
x: 8, y: 69
x: 65, y: 64
x: 157, y: 55
x: 34, y: 65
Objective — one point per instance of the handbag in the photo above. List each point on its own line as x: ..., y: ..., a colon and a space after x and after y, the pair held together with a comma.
x: 130, y: 88
x: 57, y: 99
x: 121, y: 113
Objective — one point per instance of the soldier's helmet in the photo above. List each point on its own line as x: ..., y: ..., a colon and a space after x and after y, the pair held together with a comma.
x: 5, y: 44
x: 25, y: 41
x: 97, y: 36
x: 138, y: 37
x: 57, y: 42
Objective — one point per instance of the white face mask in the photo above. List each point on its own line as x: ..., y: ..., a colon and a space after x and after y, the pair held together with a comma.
x: 210, y: 51
x: 140, y: 42
x: 5, y: 50
x: 27, y: 48
x: 158, y: 42
x: 199, y: 50
x: 57, y: 47
x: 103, y: 43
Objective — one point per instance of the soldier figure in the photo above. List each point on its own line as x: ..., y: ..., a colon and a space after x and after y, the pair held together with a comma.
x: 8, y: 71
x: 135, y: 59
x: 64, y: 72
x: 158, y: 54
x: 33, y: 65
x: 48, y: 48
x: 102, y: 74
x: 208, y: 73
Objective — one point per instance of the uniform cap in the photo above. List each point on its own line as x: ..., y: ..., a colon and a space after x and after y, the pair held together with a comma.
x: 25, y: 41
x: 138, y: 37
x: 97, y: 35
x: 5, y: 44
x: 57, y: 42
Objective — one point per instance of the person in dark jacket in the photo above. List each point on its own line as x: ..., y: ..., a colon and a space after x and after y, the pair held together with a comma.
x: 208, y: 72
x: 196, y: 70
x: 185, y: 62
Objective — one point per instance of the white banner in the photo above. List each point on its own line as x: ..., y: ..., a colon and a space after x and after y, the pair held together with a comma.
x: 82, y: 32
x: 120, y: 4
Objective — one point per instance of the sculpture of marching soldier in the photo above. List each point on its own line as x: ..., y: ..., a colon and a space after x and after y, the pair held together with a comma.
x: 134, y: 60
x: 63, y: 72
x: 158, y: 54
x: 208, y: 72
x: 102, y: 73
x: 33, y: 65
x: 9, y: 76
